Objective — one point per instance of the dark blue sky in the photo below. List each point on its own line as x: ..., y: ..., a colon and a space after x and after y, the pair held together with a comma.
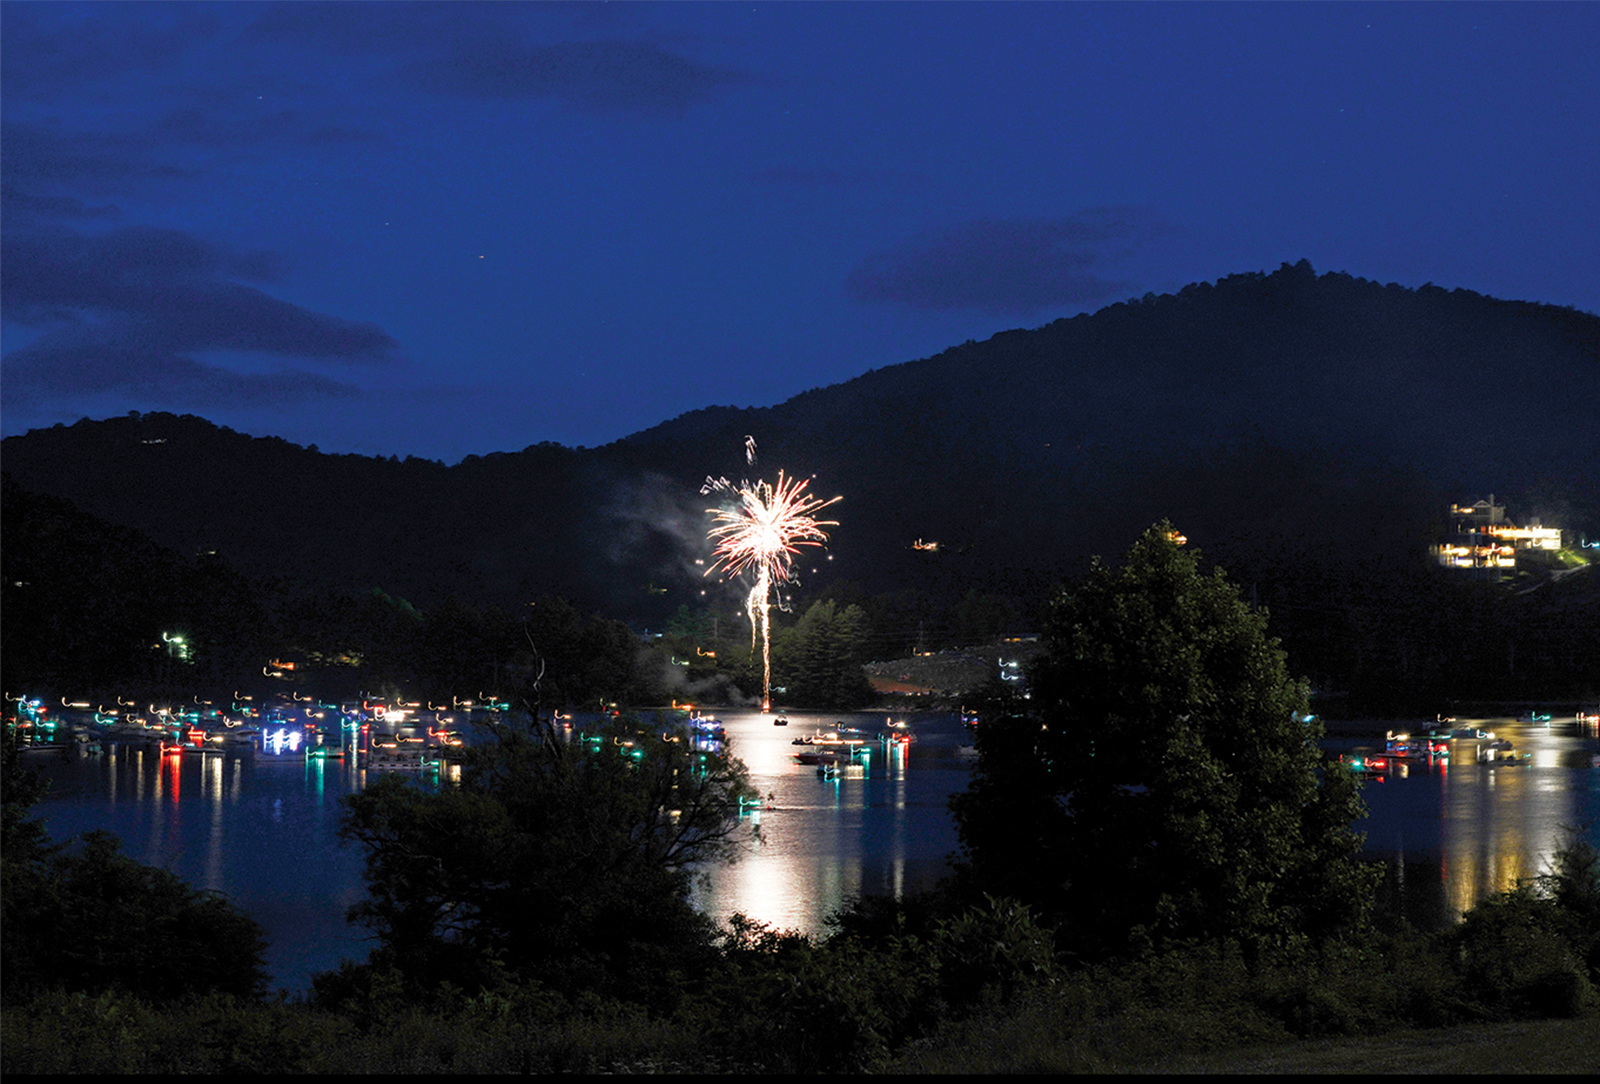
x: 458, y: 228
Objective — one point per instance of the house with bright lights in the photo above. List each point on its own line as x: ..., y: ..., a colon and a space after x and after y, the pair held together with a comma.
x: 1482, y: 539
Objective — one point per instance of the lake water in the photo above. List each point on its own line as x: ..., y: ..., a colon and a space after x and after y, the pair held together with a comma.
x: 263, y: 829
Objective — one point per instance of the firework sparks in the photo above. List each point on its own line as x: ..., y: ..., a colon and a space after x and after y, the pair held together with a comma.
x: 763, y: 535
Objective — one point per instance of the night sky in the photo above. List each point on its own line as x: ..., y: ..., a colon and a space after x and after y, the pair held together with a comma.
x: 457, y: 228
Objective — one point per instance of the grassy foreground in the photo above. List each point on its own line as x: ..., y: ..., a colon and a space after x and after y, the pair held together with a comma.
x: 1536, y: 1046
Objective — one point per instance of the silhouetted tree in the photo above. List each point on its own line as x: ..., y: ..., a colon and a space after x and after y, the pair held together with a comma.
x: 83, y: 917
x: 565, y: 862
x: 822, y: 658
x: 1162, y: 783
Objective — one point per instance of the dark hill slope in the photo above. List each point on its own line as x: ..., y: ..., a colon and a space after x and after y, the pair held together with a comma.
x: 1278, y: 419
x: 84, y: 597
x: 1263, y: 406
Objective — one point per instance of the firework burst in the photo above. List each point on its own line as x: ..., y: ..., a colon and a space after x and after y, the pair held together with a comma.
x: 763, y: 534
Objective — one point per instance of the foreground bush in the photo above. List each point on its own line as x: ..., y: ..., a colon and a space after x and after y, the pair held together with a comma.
x: 82, y: 917
x: 117, y: 1033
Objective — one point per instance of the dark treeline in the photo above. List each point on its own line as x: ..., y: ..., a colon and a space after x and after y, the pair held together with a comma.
x: 87, y: 603
x: 90, y: 609
x: 1154, y: 861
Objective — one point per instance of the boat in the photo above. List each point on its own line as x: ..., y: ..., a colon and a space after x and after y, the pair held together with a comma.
x: 193, y: 741
x: 707, y: 728
x: 1500, y: 753
x: 895, y: 730
x: 782, y: 720
x: 830, y: 748
x: 400, y: 759
x: 1357, y: 763
x: 1405, y: 747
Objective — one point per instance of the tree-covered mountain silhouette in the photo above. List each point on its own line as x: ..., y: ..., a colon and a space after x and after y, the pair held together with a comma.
x: 1295, y: 426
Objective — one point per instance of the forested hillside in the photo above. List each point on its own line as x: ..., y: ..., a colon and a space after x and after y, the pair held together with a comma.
x: 1307, y: 432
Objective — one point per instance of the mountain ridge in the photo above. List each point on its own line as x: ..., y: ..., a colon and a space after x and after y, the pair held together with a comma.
x: 1261, y: 411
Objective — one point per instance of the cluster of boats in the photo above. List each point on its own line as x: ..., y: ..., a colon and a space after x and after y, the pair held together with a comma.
x: 1402, y: 750
x: 833, y: 751
x: 306, y: 731
x: 829, y: 751
x: 831, y: 748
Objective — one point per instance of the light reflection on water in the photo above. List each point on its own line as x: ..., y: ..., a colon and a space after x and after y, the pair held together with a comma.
x: 880, y: 828
x: 264, y: 829
x: 1456, y: 830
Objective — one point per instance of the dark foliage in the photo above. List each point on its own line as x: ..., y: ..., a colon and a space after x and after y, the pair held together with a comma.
x: 1162, y: 783
x: 86, y: 604
x: 563, y: 862
x: 84, y: 918
x: 925, y: 984
x: 819, y: 660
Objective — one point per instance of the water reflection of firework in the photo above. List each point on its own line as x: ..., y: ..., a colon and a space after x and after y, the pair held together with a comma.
x: 763, y: 534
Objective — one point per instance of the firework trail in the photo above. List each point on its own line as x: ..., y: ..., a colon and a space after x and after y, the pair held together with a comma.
x: 762, y: 534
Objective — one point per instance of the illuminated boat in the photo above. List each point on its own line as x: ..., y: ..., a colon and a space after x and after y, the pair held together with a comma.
x: 1500, y: 753
x: 1405, y: 747
x: 1378, y: 765
x: 831, y: 748
x: 707, y: 728
x: 897, y: 732
x: 194, y: 742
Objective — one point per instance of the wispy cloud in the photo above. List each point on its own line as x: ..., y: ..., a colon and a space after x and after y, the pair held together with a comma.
x: 40, y: 158
x: 1009, y: 267
x: 590, y: 76
x: 57, y: 56
x: 78, y: 364
x: 486, y: 51
x: 124, y: 311
x: 386, y: 29
x: 173, y: 288
x: 27, y: 210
